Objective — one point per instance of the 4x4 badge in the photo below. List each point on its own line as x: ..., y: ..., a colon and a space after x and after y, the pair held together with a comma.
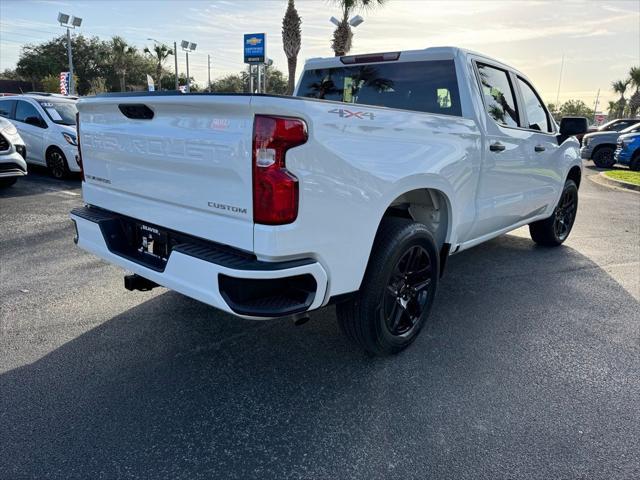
x: 344, y: 113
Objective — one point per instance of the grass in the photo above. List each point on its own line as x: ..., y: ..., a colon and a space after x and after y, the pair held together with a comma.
x: 624, y: 175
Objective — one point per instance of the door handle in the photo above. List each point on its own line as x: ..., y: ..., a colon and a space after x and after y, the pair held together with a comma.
x: 539, y: 148
x: 497, y: 147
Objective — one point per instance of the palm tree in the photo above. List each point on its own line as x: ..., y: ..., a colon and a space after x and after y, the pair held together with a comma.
x: 613, y: 108
x: 159, y: 53
x: 291, y: 40
x: 342, y: 36
x: 634, y: 102
x: 121, y: 56
x: 620, y: 86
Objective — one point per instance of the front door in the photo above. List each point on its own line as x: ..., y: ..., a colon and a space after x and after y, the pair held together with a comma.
x: 32, y: 128
x: 506, y: 189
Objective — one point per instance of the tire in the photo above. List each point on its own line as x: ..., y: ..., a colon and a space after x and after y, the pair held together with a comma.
x: 553, y: 231
x: 57, y: 164
x: 7, y: 181
x: 634, y: 164
x: 397, y: 292
x: 603, y: 157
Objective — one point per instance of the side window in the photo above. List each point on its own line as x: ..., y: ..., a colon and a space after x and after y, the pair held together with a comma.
x: 498, y: 95
x: 27, y: 113
x: 536, y: 114
x: 6, y: 107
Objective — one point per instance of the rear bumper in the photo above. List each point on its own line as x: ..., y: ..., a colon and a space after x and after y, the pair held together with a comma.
x: 233, y: 281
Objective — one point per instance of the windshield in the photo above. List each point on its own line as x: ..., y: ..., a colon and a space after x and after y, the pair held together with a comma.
x: 63, y: 113
x: 632, y: 129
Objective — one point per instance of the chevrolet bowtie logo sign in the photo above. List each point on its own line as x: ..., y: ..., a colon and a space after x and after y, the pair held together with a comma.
x: 255, y: 46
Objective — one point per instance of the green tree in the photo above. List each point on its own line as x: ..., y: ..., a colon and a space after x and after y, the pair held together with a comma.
x: 634, y: 101
x: 291, y: 41
x: 51, y: 83
x: 9, y: 74
x: 122, y: 58
x: 343, y: 36
x: 553, y: 109
x: 276, y: 82
x: 620, y: 86
x: 169, y: 80
x: 235, y: 83
x: 159, y: 54
x: 575, y: 108
x: 50, y: 58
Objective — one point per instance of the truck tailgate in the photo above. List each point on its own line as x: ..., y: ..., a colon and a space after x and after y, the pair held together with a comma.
x: 187, y: 168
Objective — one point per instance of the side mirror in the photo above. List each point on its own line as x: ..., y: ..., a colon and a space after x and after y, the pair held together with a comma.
x: 570, y: 126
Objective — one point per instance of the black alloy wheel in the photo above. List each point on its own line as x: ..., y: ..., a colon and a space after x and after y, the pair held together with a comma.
x: 398, y: 289
x: 57, y: 164
x: 565, y: 214
x: 554, y: 230
x: 407, y: 292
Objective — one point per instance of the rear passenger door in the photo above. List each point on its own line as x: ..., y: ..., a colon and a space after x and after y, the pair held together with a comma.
x: 505, y: 189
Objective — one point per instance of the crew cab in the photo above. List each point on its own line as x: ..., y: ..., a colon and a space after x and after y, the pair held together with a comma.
x: 354, y: 191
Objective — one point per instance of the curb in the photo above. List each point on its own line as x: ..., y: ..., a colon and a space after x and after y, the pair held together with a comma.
x: 602, y: 179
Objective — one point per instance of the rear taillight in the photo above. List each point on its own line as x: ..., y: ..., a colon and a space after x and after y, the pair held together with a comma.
x: 79, y: 156
x: 275, y: 189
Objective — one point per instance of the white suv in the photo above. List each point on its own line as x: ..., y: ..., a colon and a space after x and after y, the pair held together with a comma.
x: 46, y: 123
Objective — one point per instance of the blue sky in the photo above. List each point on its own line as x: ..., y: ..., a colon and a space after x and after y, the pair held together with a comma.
x: 600, y: 39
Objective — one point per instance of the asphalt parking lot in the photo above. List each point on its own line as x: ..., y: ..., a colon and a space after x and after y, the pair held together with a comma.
x: 530, y: 367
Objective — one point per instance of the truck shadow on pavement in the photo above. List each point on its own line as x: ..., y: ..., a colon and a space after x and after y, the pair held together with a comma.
x: 514, y: 361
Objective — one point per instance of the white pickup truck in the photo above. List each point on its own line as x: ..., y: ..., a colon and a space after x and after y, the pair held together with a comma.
x: 354, y: 191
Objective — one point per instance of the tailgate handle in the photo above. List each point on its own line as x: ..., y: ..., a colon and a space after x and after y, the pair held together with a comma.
x: 136, y: 111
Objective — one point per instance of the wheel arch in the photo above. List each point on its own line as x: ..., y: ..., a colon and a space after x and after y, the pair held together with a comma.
x: 575, y: 174
x: 428, y: 206
x: 52, y: 147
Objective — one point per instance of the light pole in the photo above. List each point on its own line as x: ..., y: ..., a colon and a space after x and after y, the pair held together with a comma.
x: 209, y: 73
x: 175, y: 59
x: 68, y: 22
x: 354, y: 22
x: 188, y: 47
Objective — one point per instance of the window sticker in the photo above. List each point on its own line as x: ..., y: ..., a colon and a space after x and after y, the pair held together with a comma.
x: 53, y: 113
x: 444, y: 98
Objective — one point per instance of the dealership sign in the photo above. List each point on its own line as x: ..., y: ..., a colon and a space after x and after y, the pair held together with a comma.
x: 255, y: 47
x: 64, y: 83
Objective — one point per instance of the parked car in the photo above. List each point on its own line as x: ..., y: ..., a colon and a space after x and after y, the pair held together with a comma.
x: 354, y: 193
x: 12, y: 154
x: 628, y: 151
x: 616, y: 125
x: 600, y: 146
x: 47, y: 125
